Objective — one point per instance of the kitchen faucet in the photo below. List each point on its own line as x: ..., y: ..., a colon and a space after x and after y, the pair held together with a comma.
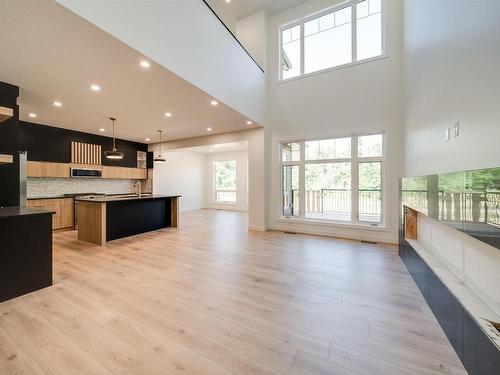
x: 139, y: 187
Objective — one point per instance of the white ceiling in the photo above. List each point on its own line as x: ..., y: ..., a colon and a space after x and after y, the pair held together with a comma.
x: 53, y: 54
x: 243, y: 8
x: 217, y: 148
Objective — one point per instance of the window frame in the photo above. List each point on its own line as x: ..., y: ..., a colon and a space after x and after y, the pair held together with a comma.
x: 214, y: 187
x: 355, y: 160
x: 354, y: 60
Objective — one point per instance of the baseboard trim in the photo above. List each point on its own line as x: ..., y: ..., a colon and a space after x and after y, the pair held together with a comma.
x: 257, y: 228
x: 372, y: 236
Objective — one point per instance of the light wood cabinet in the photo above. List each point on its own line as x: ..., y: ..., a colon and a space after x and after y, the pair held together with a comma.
x: 124, y: 173
x: 138, y: 173
x: 6, y: 113
x: 48, y: 169
x: 62, y: 170
x: 63, y: 208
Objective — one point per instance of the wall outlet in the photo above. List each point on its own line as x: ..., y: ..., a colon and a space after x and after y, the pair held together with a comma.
x: 456, y: 129
x: 447, y: 134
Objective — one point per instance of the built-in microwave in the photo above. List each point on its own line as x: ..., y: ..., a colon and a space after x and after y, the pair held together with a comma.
x: 86, y: 173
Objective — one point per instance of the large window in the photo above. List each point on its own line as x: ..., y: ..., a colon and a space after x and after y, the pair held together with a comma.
x: 224, y: 177
x: 337, y: 179
x: 345, y: 34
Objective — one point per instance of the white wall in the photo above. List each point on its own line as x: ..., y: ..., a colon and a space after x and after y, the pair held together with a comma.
x: 185, y: 37
x: 183, y: 173
x: 452, y: 60
x: 251, y: 32
x: 257, y: 159
x: 362, y: 98
x: 241, y: 158
x: 475, y: 263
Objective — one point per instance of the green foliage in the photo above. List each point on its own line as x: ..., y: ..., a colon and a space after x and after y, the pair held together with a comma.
x: 484, y: 180
x: 225, y: 175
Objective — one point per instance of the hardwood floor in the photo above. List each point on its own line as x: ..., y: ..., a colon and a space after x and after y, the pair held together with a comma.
x: 210, y: 297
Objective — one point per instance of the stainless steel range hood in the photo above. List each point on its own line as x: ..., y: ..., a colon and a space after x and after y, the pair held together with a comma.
x: 5, y: 113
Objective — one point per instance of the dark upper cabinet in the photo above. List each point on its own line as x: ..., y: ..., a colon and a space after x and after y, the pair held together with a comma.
x: 150, y: 160
x: 47, y: 143
x: 9, y: 145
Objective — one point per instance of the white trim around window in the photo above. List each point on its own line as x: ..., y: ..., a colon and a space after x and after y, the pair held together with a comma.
x: 354, y: 220
x: 221, y: 195
x: 354, y: 61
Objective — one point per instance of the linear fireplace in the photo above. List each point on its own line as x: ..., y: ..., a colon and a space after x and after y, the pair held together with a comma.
x: 448, y: 266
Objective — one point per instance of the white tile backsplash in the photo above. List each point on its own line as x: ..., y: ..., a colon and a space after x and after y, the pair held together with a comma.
x: 48, y: 187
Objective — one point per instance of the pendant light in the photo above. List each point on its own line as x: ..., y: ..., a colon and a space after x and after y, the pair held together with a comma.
x: 113, y: 154
x: 159, y: 158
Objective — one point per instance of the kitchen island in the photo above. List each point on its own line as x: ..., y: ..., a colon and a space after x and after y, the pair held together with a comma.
x: 108, y: 218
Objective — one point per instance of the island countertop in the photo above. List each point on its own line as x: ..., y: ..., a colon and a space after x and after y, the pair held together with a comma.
x: 118, y: 198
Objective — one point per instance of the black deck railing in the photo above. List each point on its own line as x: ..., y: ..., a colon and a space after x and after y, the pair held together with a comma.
x: 335, y: 201
x: 472, y: 207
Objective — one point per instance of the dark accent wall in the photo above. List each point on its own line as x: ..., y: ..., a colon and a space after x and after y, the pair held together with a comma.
x: 48, y: 143
x: 150, y: 160
x: 9, y: 144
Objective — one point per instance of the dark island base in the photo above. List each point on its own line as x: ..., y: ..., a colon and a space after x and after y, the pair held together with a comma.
x: 479, y: 355
x: 125, y: 219
x: 106, y: 219
x: 25, y: 254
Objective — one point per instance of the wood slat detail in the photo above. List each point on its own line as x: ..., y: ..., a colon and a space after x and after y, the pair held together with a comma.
x: 85, y: 153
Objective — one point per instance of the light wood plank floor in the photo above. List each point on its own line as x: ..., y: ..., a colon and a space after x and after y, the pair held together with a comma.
x: 212, y: 298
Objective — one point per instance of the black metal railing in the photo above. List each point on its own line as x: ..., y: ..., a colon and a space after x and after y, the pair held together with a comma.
x: 234, y: 36
x: 472, y: 207
x: 334, y: 201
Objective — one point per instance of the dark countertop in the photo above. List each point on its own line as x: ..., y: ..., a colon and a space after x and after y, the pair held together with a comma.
x: 74, y: 195
x: 51, y: 197
x: 9, y: 212
x: 122, y: 199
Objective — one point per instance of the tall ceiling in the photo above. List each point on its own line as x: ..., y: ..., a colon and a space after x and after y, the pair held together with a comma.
x: 242, y: 8
x: 54, y: 55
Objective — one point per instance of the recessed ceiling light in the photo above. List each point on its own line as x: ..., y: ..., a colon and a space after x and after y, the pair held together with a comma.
x: 249, y: 122
x: 209, y: 129
x: 168, y: 114
x: 214, y: 102
x: 145, y: 64
x: 57, y: 104
x: 102, y: 130
x: 95, y: 87
x: 228, y: 1
x: 32, y: 115
x: 147, y: 139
